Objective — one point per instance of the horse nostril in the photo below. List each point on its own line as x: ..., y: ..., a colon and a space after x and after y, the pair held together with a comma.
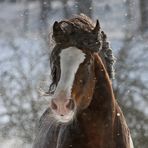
x: 53, y: 105
x: 70, y: 104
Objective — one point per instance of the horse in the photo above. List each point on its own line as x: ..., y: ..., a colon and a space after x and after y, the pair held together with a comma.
x: 82, y: 112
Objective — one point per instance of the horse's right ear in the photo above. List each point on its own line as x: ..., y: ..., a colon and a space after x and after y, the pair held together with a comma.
x: 56, y: 27
x: 97, y: 27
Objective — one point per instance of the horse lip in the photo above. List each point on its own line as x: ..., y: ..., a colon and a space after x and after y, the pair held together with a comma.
x: 64, y: 118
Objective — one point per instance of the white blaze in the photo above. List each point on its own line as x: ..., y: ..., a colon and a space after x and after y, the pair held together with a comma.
x: 70, y: 59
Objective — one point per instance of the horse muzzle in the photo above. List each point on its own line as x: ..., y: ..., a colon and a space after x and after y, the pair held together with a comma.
x: 63, y: 109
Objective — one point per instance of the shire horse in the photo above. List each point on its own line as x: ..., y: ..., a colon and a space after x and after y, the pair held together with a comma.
x: 83, y: 112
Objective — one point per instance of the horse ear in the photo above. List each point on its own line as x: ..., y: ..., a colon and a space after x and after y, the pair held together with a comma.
x: 56, y: 27
x: 97, y: 27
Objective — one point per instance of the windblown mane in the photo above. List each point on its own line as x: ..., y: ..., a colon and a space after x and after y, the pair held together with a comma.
x: 78, y: 32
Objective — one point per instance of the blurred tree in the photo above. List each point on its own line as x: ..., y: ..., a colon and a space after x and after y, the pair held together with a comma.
x: 84, y: 6
x: 130, y: 86
x: 45, y: 6
x: 144, y: 14
x: 26, y: 15
x: 20, y: 102
x: 132, y: 15
x: 13, y: 0
x: 66, y: 10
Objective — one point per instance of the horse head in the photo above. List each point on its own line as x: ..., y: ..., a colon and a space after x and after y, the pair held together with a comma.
x: 73, y: 65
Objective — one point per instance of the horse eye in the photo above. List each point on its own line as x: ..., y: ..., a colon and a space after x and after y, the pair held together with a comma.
x: 88, y: 63
x: 82, y: 82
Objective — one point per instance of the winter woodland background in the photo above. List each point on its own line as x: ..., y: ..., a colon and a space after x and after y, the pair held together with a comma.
x: 24, y: 67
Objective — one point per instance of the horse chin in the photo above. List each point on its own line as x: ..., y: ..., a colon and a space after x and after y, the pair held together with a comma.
x: 66, y: 119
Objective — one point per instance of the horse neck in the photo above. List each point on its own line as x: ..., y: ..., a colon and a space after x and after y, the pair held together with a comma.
x: 103, y: 101
x: 98, y: 118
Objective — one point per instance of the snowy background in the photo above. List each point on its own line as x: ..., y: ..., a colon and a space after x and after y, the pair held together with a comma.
x: 24, y: 66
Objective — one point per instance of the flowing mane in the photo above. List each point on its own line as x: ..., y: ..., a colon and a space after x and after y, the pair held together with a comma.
x: 78, y: 32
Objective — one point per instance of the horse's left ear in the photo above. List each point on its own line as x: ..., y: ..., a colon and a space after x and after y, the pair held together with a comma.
x: 97, y: 27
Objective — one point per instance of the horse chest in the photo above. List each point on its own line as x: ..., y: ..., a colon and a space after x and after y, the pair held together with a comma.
x: 89, y: 133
